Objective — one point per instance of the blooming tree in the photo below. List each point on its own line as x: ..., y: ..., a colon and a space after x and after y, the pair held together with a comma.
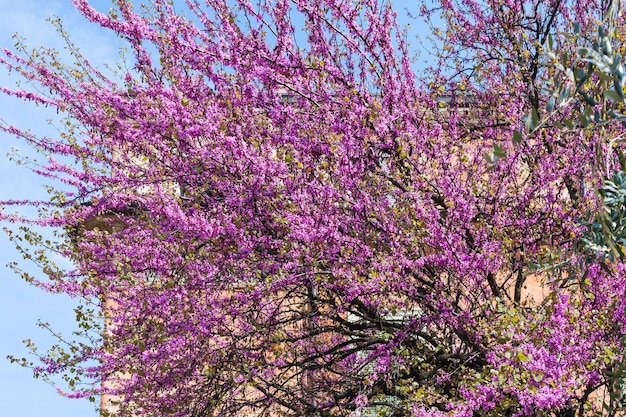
x: 271, y: 213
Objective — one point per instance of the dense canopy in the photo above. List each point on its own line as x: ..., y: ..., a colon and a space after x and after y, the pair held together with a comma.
x: 273, y: 210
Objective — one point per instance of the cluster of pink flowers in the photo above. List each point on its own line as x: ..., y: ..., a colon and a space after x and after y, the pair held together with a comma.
x: 293, y: 224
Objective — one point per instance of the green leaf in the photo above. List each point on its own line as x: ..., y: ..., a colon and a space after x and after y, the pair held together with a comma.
x: 517, y: 137
x: 535, y: 117
x: 550, y: 42
x: 498, y: 151
x: 532, y: 119
x: 570, y: 75
x: 564, y: 96
x: 569, y: 123
x: 613, y: 95
x: 584, y: 121
x: 619, y: 88
x: 605, y: 77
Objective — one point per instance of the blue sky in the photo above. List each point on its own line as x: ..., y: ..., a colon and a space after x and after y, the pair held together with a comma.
x: 21, y: 305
